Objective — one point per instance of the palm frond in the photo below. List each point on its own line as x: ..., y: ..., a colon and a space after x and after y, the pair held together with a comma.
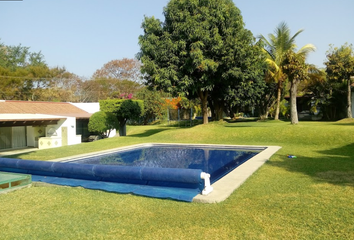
x: 305, y: 50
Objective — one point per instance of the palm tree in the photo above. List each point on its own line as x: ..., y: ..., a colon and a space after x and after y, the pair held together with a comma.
x: 278, y: 45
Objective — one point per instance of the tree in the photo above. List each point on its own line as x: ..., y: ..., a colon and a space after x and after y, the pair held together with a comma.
x: 124, y: 69
x: 201, y: 46
x: 123, y: 110
x: 102, y: 123
x: 117, y: 77
x: 328, y: 97
x: 20, y: 70
x: 154, y: 105
x: 278, y: 45
x: 296, y: 70
x: 340, y: 68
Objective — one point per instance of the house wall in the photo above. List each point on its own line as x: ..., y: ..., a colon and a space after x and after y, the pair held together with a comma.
x: 5, y: 137
x: 33, y: 134
x: 61, y: 134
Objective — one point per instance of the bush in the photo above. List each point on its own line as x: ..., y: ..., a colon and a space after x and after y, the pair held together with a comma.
x: 123, y: 110
x: 102, y: 123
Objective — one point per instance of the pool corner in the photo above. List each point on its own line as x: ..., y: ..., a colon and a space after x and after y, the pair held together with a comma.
x: 224, y: 187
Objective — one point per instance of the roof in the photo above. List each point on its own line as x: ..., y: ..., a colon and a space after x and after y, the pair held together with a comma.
x: 11, y: 120
x: 88, y: 107
x: 48, y: 108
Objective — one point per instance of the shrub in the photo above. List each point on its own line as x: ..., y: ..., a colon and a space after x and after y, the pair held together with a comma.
x: 102, y: 123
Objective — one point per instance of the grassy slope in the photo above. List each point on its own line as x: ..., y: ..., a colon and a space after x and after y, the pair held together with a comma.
x: 310, y: 197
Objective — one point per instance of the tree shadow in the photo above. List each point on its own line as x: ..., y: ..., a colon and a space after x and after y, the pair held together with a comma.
x: 148, y: 133
x: 337, y: 167
x: 241, y: 126
x: 344, y: 124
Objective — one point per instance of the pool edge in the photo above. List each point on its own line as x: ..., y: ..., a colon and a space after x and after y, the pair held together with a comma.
x: 224, y: 187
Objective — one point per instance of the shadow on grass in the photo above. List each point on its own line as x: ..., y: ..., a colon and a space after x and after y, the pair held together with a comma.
x: 337, y: 167
x: 149, y: 132
x: 344, y: 124
x: 241, y: 120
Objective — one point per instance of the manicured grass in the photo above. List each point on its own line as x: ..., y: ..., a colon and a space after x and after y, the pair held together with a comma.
x: 310, y: 197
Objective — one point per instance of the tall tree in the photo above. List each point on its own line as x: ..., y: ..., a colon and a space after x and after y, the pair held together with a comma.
x: 340, y: 68
x: 200, y: 46
x: 295, y: 68
x: 276, y: 47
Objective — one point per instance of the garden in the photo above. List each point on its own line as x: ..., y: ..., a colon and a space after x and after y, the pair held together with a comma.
x: 308, y: 197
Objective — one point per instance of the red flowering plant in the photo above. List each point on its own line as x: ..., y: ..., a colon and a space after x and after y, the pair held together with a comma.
x: 126, y: 96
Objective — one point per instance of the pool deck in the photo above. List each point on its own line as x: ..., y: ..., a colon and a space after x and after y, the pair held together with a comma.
x: 229, y: 183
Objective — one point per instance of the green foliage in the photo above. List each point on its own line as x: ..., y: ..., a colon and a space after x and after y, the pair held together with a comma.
x: 340, y: 68
x: 201, y: 45
x: 123, y: 110
x: 191, y: 103
x: 13, y: 57
x: 26, y: 76
x: 154, y: 105
x: 328, y: 96
x: 294, y: 67
x: 340, y: 63
x: 276, y: 48
x: 296, y: 70
x: 101, y: 122
x: 21, y: 72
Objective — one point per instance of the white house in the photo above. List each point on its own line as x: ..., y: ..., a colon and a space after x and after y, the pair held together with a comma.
x: 40, y: 124
x: 90, y: 108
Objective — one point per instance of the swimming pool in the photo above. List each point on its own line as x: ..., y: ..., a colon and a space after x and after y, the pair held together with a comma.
x: 214, y: 160
x: 166, y: 170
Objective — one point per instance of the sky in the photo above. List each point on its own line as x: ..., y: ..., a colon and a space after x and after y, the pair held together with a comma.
x: 83, y: 35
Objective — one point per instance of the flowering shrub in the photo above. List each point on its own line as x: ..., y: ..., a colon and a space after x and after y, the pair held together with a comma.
x: 173, y: 103
x: 126, y: 96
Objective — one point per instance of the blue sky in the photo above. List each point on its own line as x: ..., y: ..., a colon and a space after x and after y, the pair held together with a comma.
x: 82, y: 35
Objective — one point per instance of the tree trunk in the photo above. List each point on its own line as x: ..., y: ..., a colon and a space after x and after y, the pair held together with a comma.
x: 349, y: 99
x: 277, y: 110
x: 122, y: 131
x: 293, y: 107
x: 218, y: 110
x: 204, y: 101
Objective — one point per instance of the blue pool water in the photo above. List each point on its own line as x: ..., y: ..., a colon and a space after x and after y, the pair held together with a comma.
x: 217, y: 161
x: 155, y: 170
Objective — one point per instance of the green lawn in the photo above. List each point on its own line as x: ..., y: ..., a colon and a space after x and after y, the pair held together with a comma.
x: 310, y: 197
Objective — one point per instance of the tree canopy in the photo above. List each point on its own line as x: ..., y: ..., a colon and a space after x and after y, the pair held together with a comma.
x: 201, y: 46
x: 340, y: 68
x: 121, y: 69
x: 102, y: 123
x: 124, y: 110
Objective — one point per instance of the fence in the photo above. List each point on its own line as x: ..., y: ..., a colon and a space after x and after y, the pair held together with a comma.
x: 182, y: 116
